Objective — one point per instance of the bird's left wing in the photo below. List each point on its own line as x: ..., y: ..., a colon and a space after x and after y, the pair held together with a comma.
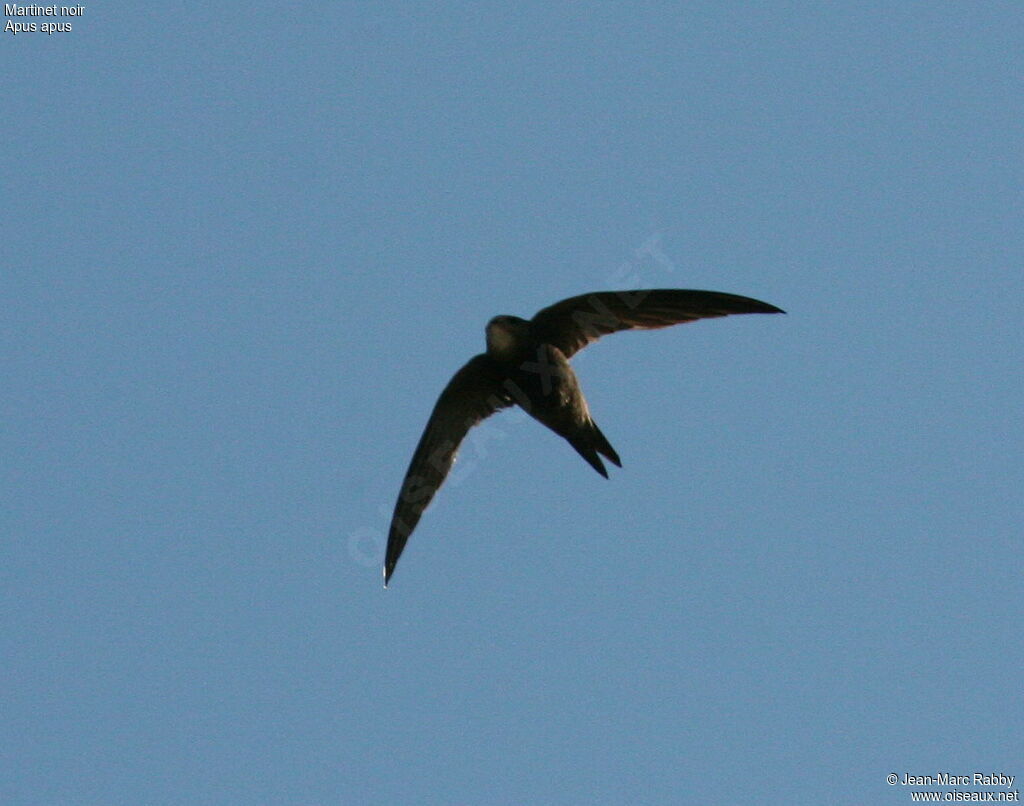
x: 474, y: 393
x: 572, y: 324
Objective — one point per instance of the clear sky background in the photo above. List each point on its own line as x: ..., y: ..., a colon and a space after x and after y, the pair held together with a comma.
x: 244, y: 247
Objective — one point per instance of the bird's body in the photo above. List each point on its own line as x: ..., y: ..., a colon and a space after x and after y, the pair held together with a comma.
x: 527, y: 364
x: 544, y: 385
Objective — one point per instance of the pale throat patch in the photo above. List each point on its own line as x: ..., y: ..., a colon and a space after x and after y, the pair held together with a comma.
x: 499, y: 340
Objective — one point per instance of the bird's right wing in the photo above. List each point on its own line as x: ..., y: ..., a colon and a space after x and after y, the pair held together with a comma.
x: 474, y: 393
x: 572, y: 324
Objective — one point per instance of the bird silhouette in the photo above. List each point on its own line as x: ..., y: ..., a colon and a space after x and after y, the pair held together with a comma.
x: 527, y: 364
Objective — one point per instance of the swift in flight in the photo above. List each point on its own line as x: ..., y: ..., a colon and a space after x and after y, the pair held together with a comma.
x: 527, y: 364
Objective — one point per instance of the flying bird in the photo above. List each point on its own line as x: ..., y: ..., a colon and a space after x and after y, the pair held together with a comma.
x: 527, y: 364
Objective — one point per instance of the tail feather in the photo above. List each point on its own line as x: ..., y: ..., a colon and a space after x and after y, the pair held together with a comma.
x: 587, y: 452
x: 591, y: 442
x: 604, y: 446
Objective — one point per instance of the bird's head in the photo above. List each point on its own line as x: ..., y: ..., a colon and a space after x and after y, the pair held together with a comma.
x: 506, y: 335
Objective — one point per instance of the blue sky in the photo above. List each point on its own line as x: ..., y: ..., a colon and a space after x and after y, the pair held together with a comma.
x: 246, y: 246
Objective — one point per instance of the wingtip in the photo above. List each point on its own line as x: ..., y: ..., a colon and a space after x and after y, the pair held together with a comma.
x: 759, y: 306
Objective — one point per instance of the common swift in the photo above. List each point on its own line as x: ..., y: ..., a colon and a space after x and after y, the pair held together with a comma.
x: 527, y: 364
